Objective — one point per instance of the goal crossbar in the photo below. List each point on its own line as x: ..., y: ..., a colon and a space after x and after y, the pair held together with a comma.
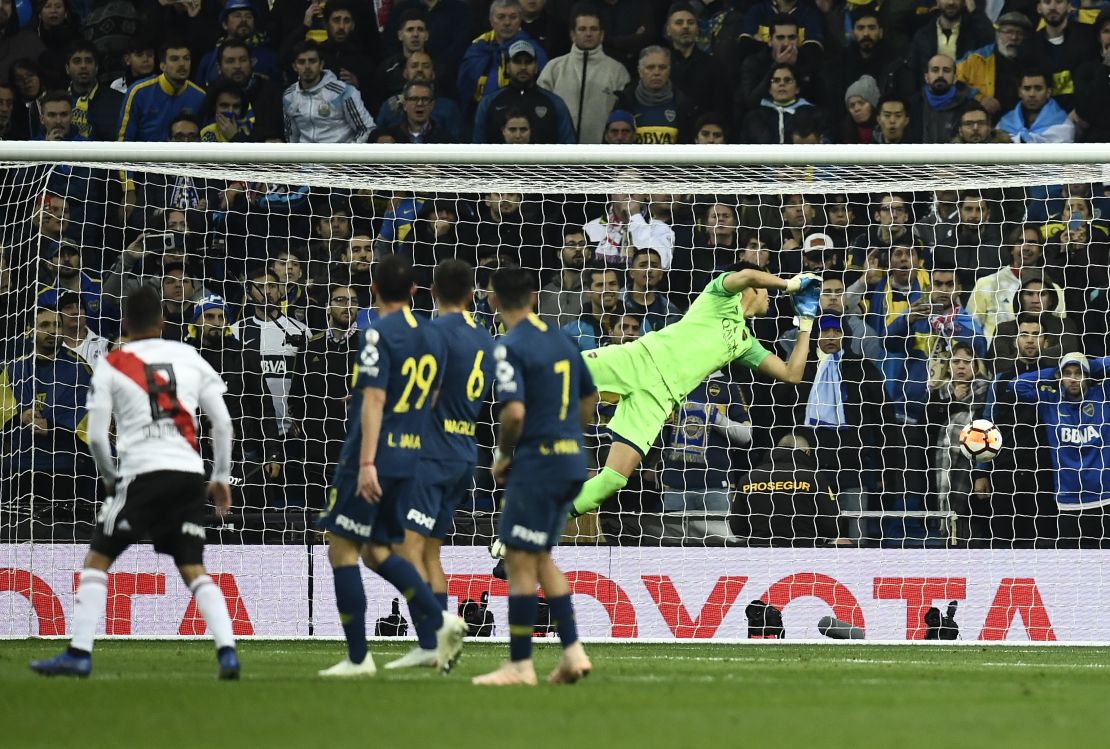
x: 582, y: 168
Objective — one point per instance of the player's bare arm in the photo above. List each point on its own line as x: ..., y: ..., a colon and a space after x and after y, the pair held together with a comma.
x: 512, y: 421
x: 791, y: 370
x: 373, y: 403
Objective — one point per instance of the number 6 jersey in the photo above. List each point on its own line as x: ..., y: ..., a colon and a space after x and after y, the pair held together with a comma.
x: 153, y: 388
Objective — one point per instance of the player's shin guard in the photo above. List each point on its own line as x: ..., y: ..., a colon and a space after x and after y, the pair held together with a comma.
x: 213, y: 607
x: 598, y: 489
x: 562, y: 616
x: 92, y: 596
x: 350, y: 600
x: 427, y: 616
x: 522, y: 621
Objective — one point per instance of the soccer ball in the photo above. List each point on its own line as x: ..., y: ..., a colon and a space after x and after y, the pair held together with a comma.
x: 981, y: 441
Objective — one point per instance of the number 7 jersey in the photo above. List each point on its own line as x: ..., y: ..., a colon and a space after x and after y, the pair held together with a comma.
x: 153, y: 387
x: 404, y: 356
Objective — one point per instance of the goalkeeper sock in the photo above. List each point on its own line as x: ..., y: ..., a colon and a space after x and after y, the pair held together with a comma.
x: 92, y: 596
x: 350, y: 600
x: 427, y: 616
x: 213, y: 607
x: 522, y: 621
x: 598, y: 489
x: 562, y: 616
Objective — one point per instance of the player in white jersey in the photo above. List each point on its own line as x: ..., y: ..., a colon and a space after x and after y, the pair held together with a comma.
x: 152, y: 388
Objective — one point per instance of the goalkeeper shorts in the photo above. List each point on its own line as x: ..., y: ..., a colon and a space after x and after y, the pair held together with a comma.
x: 645, y: 402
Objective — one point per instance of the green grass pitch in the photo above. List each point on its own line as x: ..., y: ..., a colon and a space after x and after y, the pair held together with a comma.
x: 164, y: 695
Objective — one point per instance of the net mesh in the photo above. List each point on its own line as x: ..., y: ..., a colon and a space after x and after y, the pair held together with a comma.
x: 942, y: 283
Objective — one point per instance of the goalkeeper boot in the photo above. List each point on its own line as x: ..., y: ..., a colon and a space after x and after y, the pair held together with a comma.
x: 229, y: 664
x: 64, y: 664
x: 418, y: 657
x: 574, y: 665
x: 347, y: 670
x: 521, y: 673
x: 449, y: 641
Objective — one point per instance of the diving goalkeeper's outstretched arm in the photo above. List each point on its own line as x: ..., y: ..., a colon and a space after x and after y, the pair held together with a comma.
x: 751, y: 285
x: 792, y: 369
x: 750, y: 278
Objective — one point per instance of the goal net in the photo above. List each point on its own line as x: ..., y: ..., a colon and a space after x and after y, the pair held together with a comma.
x: 958, y: 283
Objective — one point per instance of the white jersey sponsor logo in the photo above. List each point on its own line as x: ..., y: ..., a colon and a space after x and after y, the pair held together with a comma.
x: 420, y: 518
x: 528, y: 535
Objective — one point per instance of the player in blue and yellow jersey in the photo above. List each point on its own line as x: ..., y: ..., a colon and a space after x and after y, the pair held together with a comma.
x: 549, y: 398
x: 399, y: 368
x: 450, y: 450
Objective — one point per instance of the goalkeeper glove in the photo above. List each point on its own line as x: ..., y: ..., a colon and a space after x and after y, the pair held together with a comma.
x: 803, y: 282
x: 807, y: 303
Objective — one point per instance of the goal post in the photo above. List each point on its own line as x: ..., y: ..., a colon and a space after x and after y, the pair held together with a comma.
x: 949, y: 270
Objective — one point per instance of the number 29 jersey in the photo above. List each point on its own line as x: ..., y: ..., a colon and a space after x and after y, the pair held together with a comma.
x: 153, y: 387
x: 404, y: 356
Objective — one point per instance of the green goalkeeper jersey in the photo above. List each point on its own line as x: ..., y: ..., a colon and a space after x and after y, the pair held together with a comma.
x: 709, y: 336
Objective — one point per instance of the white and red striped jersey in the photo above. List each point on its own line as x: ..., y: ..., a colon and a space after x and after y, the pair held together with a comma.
x: 152, y: 387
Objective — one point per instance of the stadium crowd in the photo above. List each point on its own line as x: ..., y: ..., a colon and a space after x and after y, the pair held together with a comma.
x: 934, y: 305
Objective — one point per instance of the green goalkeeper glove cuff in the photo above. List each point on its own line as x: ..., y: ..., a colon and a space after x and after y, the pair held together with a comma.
x: 805, y: 324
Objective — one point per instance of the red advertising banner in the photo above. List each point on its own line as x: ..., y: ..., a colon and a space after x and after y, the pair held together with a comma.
x: 622, y: 593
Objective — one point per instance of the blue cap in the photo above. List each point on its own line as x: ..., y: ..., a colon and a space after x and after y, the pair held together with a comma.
x: 620, y: 115
x: 233, y: 5
x: 212, y: 301
x: 830, y: 322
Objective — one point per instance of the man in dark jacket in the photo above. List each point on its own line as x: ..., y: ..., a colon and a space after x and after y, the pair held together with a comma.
x: 95, y: 106
x: 248, y: 402
x: 694, y: 72
x: 1017, y: 485
x: 842, y: 399
x: 867, y: 54
x: 961, y: 30
x: 935, y: 111
x: 548, y: 114
x: 318, y: 401
x: 783, y: 48
x: 233, y: 58
x: 418, y: 126
x: 1092, y: 88
x: 783, y: 501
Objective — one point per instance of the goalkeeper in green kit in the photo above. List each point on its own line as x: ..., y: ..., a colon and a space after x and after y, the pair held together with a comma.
x: 653, y: 375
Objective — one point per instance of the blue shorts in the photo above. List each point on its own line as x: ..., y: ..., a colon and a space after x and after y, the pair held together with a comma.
x: 442, y: 485
x: 352, y: 517
x: 535, y: 512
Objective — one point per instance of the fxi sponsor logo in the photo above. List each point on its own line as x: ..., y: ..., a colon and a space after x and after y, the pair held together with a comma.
x: 529, y: 535
x: 420, y: 518
x: 347, y: 524
x: 192, y: 529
